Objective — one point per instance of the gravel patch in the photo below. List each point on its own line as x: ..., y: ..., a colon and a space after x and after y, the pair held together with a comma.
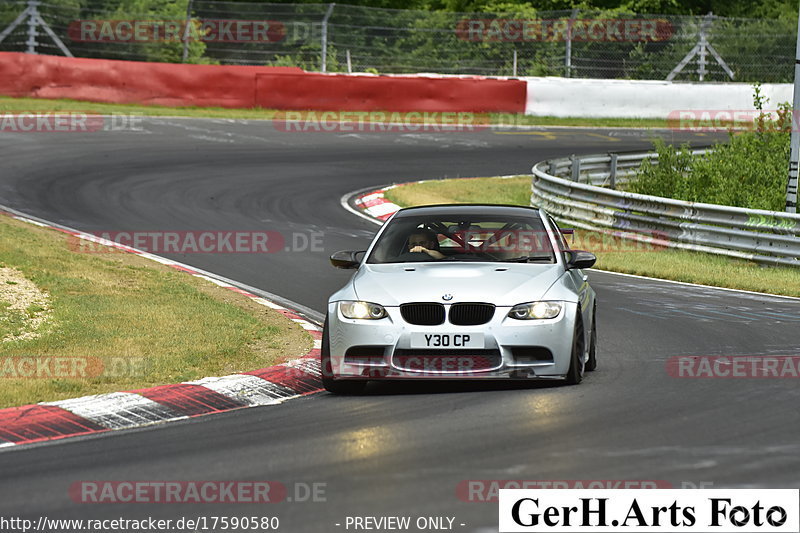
x: 24, y: 308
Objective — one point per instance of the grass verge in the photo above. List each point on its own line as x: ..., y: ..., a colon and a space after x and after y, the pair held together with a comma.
x: 662, y: 263
x: 122, y: 322
x: 19, y: 105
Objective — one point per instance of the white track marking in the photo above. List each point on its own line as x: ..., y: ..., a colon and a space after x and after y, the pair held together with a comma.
x: 249, y: 390
x: 305, y: 324
x: 307, y: 365
x: 118, y: 410
x: 386, y: 208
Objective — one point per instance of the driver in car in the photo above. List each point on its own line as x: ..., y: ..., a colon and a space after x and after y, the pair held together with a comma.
x: 425, y: 241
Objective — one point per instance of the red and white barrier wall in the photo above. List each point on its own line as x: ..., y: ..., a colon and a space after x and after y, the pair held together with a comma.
x: 101, y: 80
x: 166, y: 84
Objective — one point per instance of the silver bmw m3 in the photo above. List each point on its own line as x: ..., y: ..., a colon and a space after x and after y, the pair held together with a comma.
x: 461, y: 292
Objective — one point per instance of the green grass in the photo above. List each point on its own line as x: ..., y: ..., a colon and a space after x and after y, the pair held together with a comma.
x: 116, y: 309
x: 612, y: 254
x: 18, y: 105
x: 11, y: 320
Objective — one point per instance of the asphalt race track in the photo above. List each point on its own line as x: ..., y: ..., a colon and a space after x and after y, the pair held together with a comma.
x: 399, y: 449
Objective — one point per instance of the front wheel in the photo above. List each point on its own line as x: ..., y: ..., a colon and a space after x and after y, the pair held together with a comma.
x: 575, y: 372
x: 328, y: 383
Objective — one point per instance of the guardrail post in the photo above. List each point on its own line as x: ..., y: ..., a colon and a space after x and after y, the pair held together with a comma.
x: 575, y: 167
x: 612, y: 173
x: 552, y: 168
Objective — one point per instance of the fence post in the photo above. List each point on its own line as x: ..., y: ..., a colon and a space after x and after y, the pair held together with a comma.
x: 185, y: 55
x: 324, y: 37
x: 514, y: 73
x: 701, y: 60
x: 11, y: 27
x: 32, y: 27
x: 701, y: 49
x: 568, y: 45
x: 34, y: 19
x: 794, y: 145
x: 612, y: 174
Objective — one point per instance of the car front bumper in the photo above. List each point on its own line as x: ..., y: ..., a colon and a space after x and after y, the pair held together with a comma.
x: 512, y: 349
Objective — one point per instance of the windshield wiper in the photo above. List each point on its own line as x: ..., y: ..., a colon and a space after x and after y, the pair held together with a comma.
x: 529, y: 259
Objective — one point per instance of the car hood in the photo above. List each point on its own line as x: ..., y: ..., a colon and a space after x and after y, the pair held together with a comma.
x: 503, y: 284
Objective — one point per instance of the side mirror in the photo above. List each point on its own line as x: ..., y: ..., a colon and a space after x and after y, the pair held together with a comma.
x: 346, y: 258
x: 580, y: 259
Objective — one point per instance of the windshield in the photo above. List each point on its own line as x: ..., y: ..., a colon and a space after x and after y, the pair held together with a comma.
x: 494, y: 238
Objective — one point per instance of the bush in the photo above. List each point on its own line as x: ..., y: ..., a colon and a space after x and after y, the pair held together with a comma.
x: 751, y: 170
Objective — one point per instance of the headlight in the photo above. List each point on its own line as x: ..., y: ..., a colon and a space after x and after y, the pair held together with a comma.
x: 362, y: 310
x: 535, y: 310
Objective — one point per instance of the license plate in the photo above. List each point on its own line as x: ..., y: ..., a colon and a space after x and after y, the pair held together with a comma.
x: 446, y: 340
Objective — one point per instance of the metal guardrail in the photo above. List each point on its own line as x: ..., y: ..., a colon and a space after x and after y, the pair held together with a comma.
x: 579, y: 191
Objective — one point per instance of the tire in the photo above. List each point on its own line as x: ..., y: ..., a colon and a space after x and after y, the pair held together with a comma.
x: 328, y: 383
x: 575, y: 373
x: 591, y: 362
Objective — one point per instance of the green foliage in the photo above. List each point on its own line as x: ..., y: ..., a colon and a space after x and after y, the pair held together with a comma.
x: 293, y: 60
x: 727, y: 8
x: 421, y: 36
x: 751, y: 170
x: 61, y: 13
x: 285, y: 60
x: 167, y: 52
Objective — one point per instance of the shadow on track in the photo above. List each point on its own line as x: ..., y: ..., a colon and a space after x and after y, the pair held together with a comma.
x: 400, y: 388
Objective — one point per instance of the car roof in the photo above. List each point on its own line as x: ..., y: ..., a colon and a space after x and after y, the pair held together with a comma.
x: 467, y: 209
